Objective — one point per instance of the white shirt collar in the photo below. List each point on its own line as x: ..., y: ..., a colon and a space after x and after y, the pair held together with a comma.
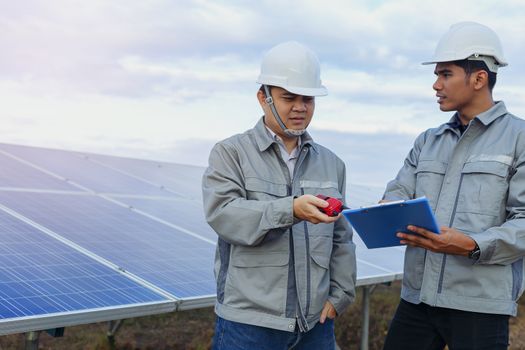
x: 279, y: 140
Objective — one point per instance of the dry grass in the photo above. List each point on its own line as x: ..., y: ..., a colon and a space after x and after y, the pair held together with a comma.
x: 193, y: 330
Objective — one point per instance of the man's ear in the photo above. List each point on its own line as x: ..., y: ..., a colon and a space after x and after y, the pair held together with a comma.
x: 261, y: 97
x: 481, y: 79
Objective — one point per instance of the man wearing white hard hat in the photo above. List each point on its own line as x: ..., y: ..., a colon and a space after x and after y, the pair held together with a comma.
x: 460, y: 285
x: 284, y: 268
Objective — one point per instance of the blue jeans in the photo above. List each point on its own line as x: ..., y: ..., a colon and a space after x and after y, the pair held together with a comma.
x: 423, y: 327
x: 231, y: 335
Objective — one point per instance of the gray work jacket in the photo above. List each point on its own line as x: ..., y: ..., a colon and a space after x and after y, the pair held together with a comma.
x: 475, y: 183
x: 273, y: 270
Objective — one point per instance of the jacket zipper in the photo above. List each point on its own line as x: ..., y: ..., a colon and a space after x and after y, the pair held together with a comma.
x: 298, y: 312
x: 443, y: 263
x: 308, y: 267
x: 301, y: 316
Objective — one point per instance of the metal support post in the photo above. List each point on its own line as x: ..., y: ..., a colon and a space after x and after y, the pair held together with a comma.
x: 365, y: 317
x: 32, y: 340
x: 113, y: 327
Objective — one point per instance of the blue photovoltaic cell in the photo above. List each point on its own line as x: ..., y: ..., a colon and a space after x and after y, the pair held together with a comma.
x: 186, y: 213
x: 39, y: 275
x: 361, y: 196
x: 366, y: 270
x: 184, y: 180
x: 77, y: 168
x: 379, y: 262
x: 17, y: 174
x: 166, y: 257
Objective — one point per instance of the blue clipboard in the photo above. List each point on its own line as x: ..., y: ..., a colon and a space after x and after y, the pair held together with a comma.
x: 377, y: 225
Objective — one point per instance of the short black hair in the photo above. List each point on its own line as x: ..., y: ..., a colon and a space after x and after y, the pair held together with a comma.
x: 471, y: 66
x: 261, y: 89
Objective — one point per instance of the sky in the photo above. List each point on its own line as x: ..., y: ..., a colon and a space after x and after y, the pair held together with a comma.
x: 166, y: 79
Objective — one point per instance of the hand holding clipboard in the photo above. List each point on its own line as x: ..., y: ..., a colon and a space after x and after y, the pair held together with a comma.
x: 377, y: 225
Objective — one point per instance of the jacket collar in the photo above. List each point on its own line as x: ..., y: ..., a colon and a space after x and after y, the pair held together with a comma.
x: 264, y: 140
x: 486, y: 118
x: 496, y: 111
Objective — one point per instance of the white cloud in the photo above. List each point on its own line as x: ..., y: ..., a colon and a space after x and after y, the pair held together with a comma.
x: 116, y: 75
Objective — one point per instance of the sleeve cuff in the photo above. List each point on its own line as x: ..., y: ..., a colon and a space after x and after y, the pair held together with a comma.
x: 282, y: 213
x: 339, y: 304
x: 485, y: 247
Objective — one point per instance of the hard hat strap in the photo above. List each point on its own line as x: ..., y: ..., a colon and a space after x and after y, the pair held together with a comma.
x: 269, y: 101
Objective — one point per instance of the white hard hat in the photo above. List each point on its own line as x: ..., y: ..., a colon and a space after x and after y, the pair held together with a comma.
x: 293, y: 67
x: 472, y: 41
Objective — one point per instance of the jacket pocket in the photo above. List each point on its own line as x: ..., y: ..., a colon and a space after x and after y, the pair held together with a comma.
x: 260, y: 189
x: 328, y: 188
x: 257, y: 282
x: 484, y: 187
x: 462, y: 278
x: 429, y: 175
x: 321, y: 250
x: 471, y: 223
x: 413, y: 276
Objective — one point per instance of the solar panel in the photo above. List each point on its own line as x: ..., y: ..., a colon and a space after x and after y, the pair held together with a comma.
x: 77, y: 168
x: 360, y: 196
x: 15, y: 174
x: 182, y: 212
x: 179, y: 178
x: 176, y: 261
x: 136, y: 223
x: 379, y: 265
x: 41, y: 276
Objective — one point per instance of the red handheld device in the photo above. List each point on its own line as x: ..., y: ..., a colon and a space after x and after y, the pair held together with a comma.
x: 335, y: 206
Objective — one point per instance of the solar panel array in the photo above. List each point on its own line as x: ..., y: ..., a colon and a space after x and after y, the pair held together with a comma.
x: 86, y: 238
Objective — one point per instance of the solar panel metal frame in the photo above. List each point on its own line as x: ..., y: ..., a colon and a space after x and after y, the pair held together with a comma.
x: 36, y: 323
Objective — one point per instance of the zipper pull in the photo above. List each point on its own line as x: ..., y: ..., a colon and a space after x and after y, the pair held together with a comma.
x: 512, y: 171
